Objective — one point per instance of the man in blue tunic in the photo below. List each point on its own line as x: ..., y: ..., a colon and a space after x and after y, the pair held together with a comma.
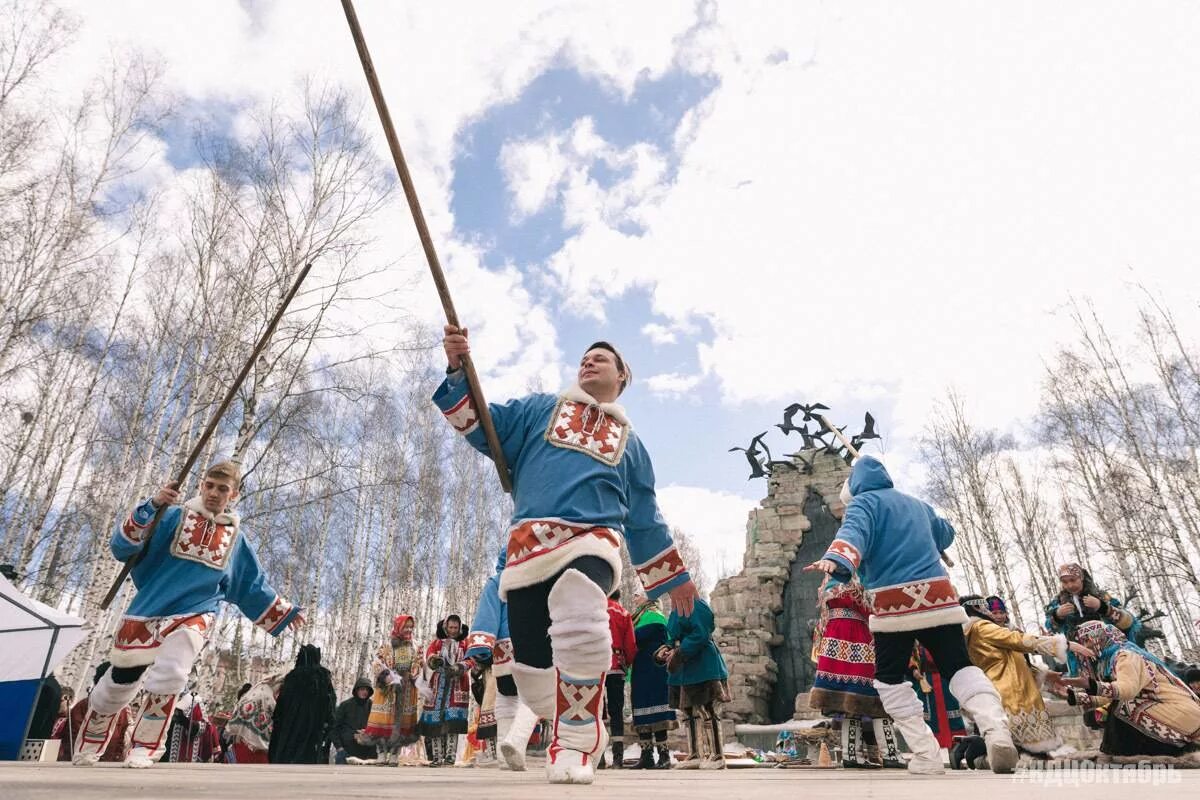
x: 196, y: 558
x: 893, y: 542
x: 490, y: 645
x: 582, y: 482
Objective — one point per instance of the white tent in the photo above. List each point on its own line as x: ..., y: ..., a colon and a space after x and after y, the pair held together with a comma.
x: 34, y: 639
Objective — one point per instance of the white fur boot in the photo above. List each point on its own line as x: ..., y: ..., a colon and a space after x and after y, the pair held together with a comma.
x: 979, y: 698
x: 901, y: 703
x: 536, y: 689
x: 582, y: 645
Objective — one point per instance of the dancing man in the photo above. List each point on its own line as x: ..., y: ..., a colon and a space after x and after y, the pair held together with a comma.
x: 893, y: 542
x: 581, y: 480
x: 196, y: 558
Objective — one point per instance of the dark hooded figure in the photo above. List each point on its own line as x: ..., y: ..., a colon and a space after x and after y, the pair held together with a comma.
x: 303, y: 712
x: 349, y: 721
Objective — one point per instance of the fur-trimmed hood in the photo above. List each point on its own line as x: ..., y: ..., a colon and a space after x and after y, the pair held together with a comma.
x: 441, y: 629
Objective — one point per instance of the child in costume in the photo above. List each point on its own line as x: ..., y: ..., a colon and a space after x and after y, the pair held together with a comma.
x: 893, y: 542
x: 648, y: 690
x: 196, y: 558
x: 582, y: 482
x: 843, y: 687
x: 697, y: 677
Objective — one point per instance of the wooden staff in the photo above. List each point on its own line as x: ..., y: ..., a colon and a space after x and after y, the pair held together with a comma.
x: 435, y: 268
x: 854, y: 452
x: 202, y: 442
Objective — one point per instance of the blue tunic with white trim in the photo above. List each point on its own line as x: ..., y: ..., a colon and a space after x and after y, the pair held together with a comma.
x: 581, y: 479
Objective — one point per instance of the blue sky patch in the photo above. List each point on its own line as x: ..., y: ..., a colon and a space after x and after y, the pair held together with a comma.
x: 553, y: 103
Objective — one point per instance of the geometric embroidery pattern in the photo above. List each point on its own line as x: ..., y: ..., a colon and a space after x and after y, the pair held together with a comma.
x: 846, y: 551
x: 95, y: 732
x: 849, y: 652
x: 661, y: 568
x: 588, y: 430
x: 503, y: 652
x: 846, y: 613
x: 535, y: 537
x: 578, y: 702
x: 1031, y: 726
x: 481, y: 641
x: 925, y: 595
x: 147, y: 634
x: 860, y: 680
x: 275, y: 614
x: 132, y: 531
x: 152, y: 725
x: 462, y: 415
x: 204, y: 541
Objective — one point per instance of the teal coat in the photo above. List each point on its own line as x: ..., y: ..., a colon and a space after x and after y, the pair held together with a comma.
x: 702, y: 661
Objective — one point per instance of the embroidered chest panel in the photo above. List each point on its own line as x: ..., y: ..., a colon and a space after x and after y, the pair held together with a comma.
x: 578, y: 426
x: 204, y: 541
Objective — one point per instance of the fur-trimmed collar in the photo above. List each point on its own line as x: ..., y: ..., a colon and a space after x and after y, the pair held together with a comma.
x: 196, y: 505
x: 577, y: 395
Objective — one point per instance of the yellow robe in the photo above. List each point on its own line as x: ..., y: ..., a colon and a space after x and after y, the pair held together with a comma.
x: 1150, y: 699
x: 999, y: 652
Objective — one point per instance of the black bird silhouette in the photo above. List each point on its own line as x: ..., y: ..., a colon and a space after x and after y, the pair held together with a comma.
x: 868, y: 429
x: 789, y: 414
x: 810, y: 410
x: 752, y: 453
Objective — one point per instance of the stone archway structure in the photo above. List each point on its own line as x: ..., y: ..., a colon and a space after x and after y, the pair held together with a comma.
x: 766, y: 613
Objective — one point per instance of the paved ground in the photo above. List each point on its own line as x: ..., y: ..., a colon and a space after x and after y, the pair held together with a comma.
x: 19, y: 781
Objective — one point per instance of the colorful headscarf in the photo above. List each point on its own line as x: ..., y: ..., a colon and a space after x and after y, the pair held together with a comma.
x: 1070, y: 571
x: 1106, y: 641
x: 398, y: 624
x: 995, y: 604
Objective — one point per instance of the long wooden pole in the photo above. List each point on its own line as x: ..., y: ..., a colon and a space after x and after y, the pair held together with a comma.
x: 854, y: 452
x: 202, y: 442
x: 435, y: 267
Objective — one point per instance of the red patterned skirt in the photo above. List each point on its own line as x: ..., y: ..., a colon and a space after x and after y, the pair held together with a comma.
x: 845, y: 655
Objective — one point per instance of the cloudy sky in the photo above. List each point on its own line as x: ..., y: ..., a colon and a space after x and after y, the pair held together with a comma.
x: 762, y: 202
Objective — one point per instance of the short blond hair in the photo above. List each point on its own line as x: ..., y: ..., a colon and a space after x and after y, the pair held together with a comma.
x: 226, y: 469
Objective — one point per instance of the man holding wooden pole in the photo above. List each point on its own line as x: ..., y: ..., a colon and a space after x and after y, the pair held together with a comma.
x: 197, y: 559
x: 582, y: 483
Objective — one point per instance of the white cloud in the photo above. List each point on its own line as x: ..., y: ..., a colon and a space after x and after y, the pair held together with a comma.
x: 659, y: 334
x: 673, y: 384
x: 236, y: 54
x: 911, y: 198
x: 716, y: 521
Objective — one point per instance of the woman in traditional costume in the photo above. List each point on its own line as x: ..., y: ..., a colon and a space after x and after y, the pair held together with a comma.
x: 444, y: 715
x: 1000, y: 652
x: 392, y: 723
x: 1151, y: 712
x: 1082, y: 601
